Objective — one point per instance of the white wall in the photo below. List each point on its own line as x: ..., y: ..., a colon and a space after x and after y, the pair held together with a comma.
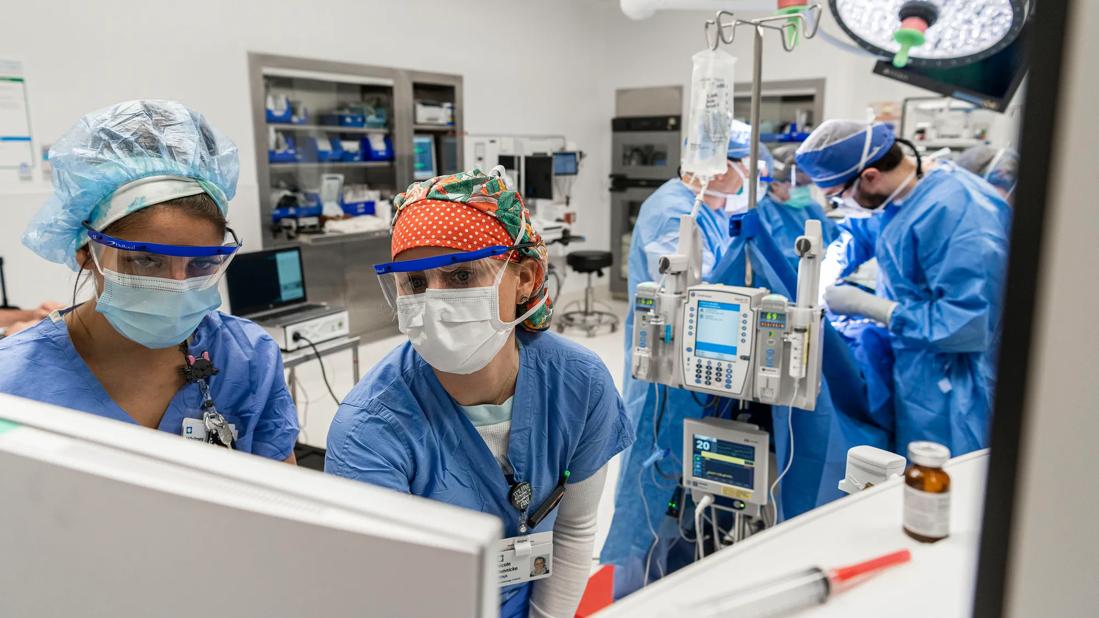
x: 658, y: 51
x: 529, y: 67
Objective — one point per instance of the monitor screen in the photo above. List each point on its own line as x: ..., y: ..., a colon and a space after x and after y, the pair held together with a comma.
x: 423, y: 157
x: 989, y: 83
x: 538, y: 175
x: 719, y: 461
x: 565, y: 164
x: 718, y: 330
x: 264, y: 280
x: 111, y: 512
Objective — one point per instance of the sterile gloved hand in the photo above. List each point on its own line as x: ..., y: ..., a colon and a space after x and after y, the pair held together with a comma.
x: 849, y: 300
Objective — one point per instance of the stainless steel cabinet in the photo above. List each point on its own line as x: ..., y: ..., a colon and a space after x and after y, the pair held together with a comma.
x: 644, y: 155
x: 338, y: 107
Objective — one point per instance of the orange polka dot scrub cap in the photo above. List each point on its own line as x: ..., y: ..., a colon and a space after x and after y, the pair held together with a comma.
x: 469, y: 211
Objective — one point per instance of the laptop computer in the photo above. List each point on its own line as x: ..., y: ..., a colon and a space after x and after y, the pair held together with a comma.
x: 267, y: 286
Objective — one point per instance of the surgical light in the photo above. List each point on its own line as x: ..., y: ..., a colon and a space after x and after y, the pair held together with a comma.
x: 931, y: 32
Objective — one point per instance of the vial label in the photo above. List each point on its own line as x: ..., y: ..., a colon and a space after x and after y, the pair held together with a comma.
x: 926, y: 514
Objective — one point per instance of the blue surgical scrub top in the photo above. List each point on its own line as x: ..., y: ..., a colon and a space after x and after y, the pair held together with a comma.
x: 41, y: 363
x: 398, y: 428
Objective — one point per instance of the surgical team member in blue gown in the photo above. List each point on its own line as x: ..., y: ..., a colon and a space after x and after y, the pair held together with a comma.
x: 656, y: 233
x: 141, y: 190
x: 789, y: 203
x: 941, y: 250
x: 644, y: 543
x: 470, y: 408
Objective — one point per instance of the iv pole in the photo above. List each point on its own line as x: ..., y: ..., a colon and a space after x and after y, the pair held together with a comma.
x: 804, y: 22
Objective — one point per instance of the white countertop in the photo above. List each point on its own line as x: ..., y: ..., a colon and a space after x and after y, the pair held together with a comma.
x: 937, y: 582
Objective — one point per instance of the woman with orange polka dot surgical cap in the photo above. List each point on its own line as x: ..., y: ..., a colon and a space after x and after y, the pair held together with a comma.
x: 473, y: 411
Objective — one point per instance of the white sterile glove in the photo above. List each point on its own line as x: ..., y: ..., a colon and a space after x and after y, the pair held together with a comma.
x: 866, y: 275
x: 849, y: 300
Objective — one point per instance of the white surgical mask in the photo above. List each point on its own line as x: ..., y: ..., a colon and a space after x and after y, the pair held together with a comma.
x: 457, y: 330
x: 734, y: 202
x: 847, y: 205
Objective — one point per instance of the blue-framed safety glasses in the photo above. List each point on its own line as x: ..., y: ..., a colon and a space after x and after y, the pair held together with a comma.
x: 459, y: 270
x: 203, y: 264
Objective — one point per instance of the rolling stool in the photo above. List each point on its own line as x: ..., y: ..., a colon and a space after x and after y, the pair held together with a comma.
x: 589, y: 319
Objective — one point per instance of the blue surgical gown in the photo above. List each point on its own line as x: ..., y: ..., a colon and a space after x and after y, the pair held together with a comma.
x: 41, y: 363
x: 398, y: 428
x: 656, y: 233
x: 942, y: 255
x: 854, y: 244
x: 841, y: 420
x: 785, y: 223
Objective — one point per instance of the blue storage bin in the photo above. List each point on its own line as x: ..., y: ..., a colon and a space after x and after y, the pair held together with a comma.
x: 343, y: 119
x: 340, y: 154
x: 310, y: 202
x: 282, y: 118
x: 377, y: 119
x: 370, y: 153
x: 355, y: 209
x: 295, y: 212
x: 289, y: 155
x: 311, y: 151
x: 286, y: 156
x: 278, y: 214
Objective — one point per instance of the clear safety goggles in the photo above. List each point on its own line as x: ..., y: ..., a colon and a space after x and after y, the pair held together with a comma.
x: 452, y: 271
x: 175, y: 263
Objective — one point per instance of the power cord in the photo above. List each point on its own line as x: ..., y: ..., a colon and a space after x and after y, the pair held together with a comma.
x: 790, y: 460
x: 303, y: 436
x: 324, y: 374
x: 700, y: 507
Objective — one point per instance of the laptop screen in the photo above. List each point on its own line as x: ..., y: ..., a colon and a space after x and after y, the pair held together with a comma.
x: 265, y: 280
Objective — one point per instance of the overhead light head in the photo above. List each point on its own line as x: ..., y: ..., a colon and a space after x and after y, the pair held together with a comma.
x: 931, y: 32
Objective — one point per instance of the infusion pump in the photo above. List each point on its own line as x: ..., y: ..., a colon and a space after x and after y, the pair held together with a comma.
x: 736, y: 342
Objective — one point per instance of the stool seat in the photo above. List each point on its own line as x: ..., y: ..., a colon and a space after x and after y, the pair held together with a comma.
x: 589, y: 261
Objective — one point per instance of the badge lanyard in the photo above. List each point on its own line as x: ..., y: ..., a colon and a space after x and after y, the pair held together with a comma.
x: 197, y: 370
x: 520, y: 495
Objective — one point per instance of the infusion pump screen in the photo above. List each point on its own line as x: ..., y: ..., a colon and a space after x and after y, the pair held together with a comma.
x: 718, y: 330
x: 728, y: 463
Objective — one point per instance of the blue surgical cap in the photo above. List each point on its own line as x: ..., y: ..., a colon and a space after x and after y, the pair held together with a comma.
x: 740, y: 146
x: 119, y: 145
x: 834, y: 152
x: 740, y: 140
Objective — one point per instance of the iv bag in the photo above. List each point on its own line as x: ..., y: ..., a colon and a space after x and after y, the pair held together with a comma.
x: 710, y: 115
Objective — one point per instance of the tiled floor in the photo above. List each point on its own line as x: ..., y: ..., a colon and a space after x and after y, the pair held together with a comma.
x: 316, y: 407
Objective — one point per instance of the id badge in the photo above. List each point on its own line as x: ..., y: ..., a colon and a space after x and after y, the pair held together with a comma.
x: 195, y: 429
x: 525, y: 558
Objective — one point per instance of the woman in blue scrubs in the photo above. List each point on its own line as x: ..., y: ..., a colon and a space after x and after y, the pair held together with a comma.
x: 472, y: 411
x: 141, y: 193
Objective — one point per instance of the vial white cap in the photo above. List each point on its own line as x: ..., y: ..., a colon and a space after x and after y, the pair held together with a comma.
x: 930, y: 454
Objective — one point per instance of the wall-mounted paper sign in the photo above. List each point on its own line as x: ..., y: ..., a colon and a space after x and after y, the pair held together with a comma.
x: 15, y: 126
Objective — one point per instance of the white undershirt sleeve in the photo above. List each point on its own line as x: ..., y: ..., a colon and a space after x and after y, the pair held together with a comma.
x: 558, y: 595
